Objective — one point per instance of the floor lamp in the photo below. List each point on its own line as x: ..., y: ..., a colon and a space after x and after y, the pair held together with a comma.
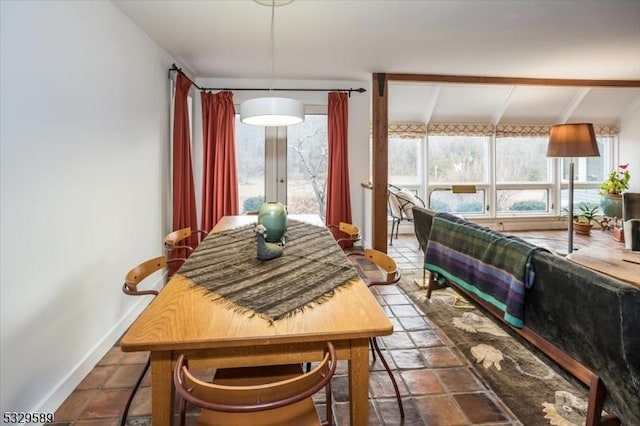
x: 571, y: 141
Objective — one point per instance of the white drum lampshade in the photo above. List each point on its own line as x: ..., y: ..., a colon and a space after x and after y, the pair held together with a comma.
x: 272, y: 111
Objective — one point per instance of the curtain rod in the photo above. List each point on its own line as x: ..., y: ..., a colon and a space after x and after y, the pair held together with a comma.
x: 204, y: 89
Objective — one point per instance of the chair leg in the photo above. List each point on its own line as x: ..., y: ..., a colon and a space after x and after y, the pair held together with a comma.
x: 125, y: 413
x: 373, y: 352
x: 394, y: 225
x: 329, y: 400
x: 393, y: 379
x: 182, y: 410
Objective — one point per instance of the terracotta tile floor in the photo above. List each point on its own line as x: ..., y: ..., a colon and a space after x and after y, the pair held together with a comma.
x: 437, y: 383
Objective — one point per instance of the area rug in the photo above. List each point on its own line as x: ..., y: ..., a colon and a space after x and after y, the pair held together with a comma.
x: 527, y: 383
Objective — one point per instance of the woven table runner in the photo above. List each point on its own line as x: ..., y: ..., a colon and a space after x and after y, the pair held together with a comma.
x: 312, y: 267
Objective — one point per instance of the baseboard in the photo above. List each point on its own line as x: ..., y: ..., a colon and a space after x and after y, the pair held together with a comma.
x: 59, y: 394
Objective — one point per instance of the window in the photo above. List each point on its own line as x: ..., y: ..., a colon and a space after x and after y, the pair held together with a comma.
x: 589, y: 172
x: 523, y: 200
x: 444, y: 200
x: 512, y: 173
x: 523, y: 175
x: 250, y: 150
x: 405, y: 160
x: 457, y: 159
x: 590, y: 169
x: 522, y: 160
x: 285, y: 164
x: 307, y: 156
x: 588, y: 196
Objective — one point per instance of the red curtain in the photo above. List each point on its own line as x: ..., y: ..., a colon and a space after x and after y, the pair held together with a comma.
x: 184, y: 198
x: 338, y: 194
x: 220, y: 179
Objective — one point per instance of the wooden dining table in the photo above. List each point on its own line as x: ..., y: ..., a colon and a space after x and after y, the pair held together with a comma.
x: 184, y: 319
x: 619, y: 263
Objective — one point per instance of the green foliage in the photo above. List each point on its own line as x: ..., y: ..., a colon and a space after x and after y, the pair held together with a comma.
x: 588, y: 212
x: 617, y: 181
x: 252, y: 203
x: 528, y: 205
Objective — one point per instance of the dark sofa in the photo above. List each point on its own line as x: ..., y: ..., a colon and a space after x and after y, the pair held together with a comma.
x: 593, y: 318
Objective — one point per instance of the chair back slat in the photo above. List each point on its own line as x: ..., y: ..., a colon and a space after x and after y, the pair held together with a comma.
x: 252, y: 398
x: 382, y: 260
x: 173, y: 238
x: 351, y: 230
x: 143, y: 270
x: 386, y: 263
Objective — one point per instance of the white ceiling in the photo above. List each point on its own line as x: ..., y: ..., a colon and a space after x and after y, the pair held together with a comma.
x: 503, y: 104
x: 351, y: 39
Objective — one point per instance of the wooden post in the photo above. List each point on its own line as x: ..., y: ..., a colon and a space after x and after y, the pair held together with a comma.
x: 380, y: 154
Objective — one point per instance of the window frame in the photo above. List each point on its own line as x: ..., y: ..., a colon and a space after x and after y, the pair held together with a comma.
x: 554, y: 186
x: 276, y: 154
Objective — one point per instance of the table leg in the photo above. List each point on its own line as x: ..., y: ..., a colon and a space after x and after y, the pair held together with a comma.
x: 162, y: 392
x: 359, y: 382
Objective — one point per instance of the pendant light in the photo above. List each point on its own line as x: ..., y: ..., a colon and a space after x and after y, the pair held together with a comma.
x: 272, y: 111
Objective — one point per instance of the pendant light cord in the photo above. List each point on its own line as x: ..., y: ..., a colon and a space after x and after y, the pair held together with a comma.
x: 272, y: 38
x: 273, y: 44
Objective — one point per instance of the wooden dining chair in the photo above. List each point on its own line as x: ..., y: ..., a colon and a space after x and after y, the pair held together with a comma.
x: 268, y: 400
x: 352, y: 233
x: 173, y: 239
x: 131, y: 281
x: 390, y: 276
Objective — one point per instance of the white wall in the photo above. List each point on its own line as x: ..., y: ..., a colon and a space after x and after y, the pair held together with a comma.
x: 84, y: 172
x: 630, y: 147
x: 359, y: 111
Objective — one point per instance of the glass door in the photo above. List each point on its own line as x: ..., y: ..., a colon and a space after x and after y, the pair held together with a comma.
x: 307, y: 157
x: 285, y: 164
x: 250, y: 164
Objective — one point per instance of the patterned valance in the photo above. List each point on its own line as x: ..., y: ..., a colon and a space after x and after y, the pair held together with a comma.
x: 530, y: 130
x: 606, y: 130
x: 407, y: 130
x: 420, y: 130
x: 459, y: 129
x: 533, y: 130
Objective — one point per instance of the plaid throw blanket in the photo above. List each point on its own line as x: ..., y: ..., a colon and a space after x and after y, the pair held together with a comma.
x: 493, y: 266
x: 312, y: 267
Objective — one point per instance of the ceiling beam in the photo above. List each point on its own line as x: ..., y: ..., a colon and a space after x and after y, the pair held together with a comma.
x: 511, y: 80
x: 433, y: 100
x: 575, y: 102
x: 497, y: 116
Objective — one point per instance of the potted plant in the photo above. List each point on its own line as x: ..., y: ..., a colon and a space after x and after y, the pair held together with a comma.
x: 584, y: 220
x: 611, y: 190
x: 617, y: 182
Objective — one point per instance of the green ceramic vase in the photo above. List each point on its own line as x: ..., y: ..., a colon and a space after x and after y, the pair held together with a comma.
x: 611, y: 205
x: 273, y: 216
